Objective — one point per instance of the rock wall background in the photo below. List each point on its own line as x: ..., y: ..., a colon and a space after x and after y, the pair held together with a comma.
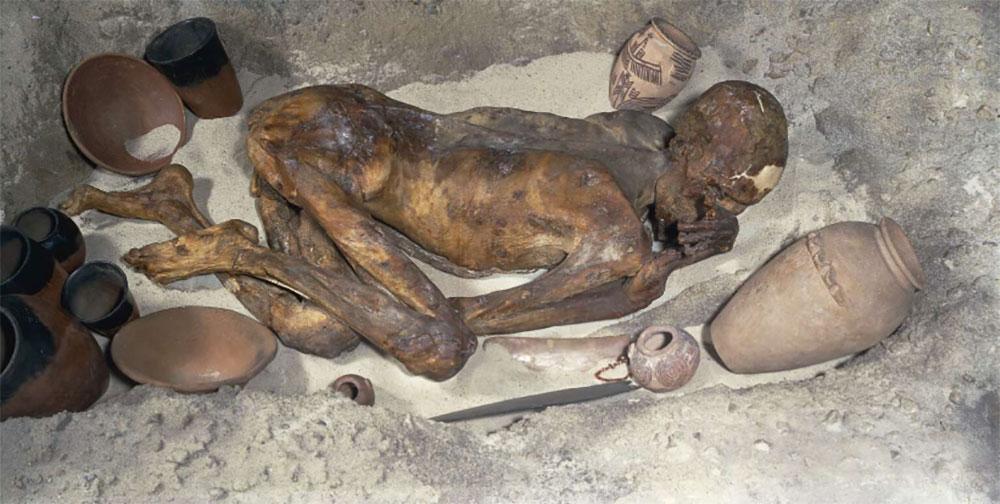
x: 903, y: 96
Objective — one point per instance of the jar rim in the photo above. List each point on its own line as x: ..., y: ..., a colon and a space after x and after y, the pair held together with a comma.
x: 900, y: 256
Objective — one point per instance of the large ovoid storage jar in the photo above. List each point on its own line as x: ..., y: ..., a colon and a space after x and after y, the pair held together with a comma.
x: 832, y: 293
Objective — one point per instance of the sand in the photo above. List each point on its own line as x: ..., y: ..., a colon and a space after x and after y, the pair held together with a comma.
x: 157, y: 143
x: 891, y: 111
x: 216, y: 156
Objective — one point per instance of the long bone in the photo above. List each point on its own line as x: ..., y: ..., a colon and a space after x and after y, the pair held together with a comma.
x: 168, y: 200
x: 571, y: 354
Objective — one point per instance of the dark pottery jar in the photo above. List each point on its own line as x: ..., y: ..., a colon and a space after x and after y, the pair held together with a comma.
x: 97, y: 294
x: 26, y: 267
x: 50, y: 362
x: 56, y: 232
x: 191, y: 55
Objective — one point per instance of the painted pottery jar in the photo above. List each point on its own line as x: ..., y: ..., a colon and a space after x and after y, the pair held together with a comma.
x: 50, y: 362
x: 663, y: 358
x: 652, y: 67
x: 56, y: 232
x: 26, y: 267
x: 833, y: 293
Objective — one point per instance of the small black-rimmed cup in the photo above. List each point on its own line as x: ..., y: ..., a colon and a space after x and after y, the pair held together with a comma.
x: 97, y: 294
x: 56, y: 232
x: 28, y: 268
x: 192, y: 57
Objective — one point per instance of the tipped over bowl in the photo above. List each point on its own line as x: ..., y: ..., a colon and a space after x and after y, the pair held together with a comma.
x: 123, y: 114
x: 193, y: 348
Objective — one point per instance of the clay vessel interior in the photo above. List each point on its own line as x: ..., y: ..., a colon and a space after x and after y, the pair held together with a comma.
x: 112, y: 101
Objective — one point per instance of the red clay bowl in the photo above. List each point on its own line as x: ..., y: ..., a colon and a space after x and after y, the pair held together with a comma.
x: 193, y: 348
x: 111, y: 99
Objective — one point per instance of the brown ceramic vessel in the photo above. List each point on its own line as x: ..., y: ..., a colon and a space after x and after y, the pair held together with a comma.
x: 356, y: 388
x: 110, y: 100
x: 217, y: 96
x: 663, y: 358
x: 191, y: 55
x: 652, y: 67
x: 50, y: 362
x: 834, y: 292
x: 193, y: 349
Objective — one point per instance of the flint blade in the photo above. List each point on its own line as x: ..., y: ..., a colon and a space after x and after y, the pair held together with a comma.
x: 540, y: 401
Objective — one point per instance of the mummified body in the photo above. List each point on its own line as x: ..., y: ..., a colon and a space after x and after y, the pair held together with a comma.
x: 352, y: 183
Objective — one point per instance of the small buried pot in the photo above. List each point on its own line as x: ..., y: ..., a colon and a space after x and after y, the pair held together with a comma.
x: 50, y: 362
x: 114, y: 105
x: 97, y: 294
x: 191, y: 55
x: 193, y: 348
x: 356, y: 388
x: 56, y: 232
x: 28, y: 268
